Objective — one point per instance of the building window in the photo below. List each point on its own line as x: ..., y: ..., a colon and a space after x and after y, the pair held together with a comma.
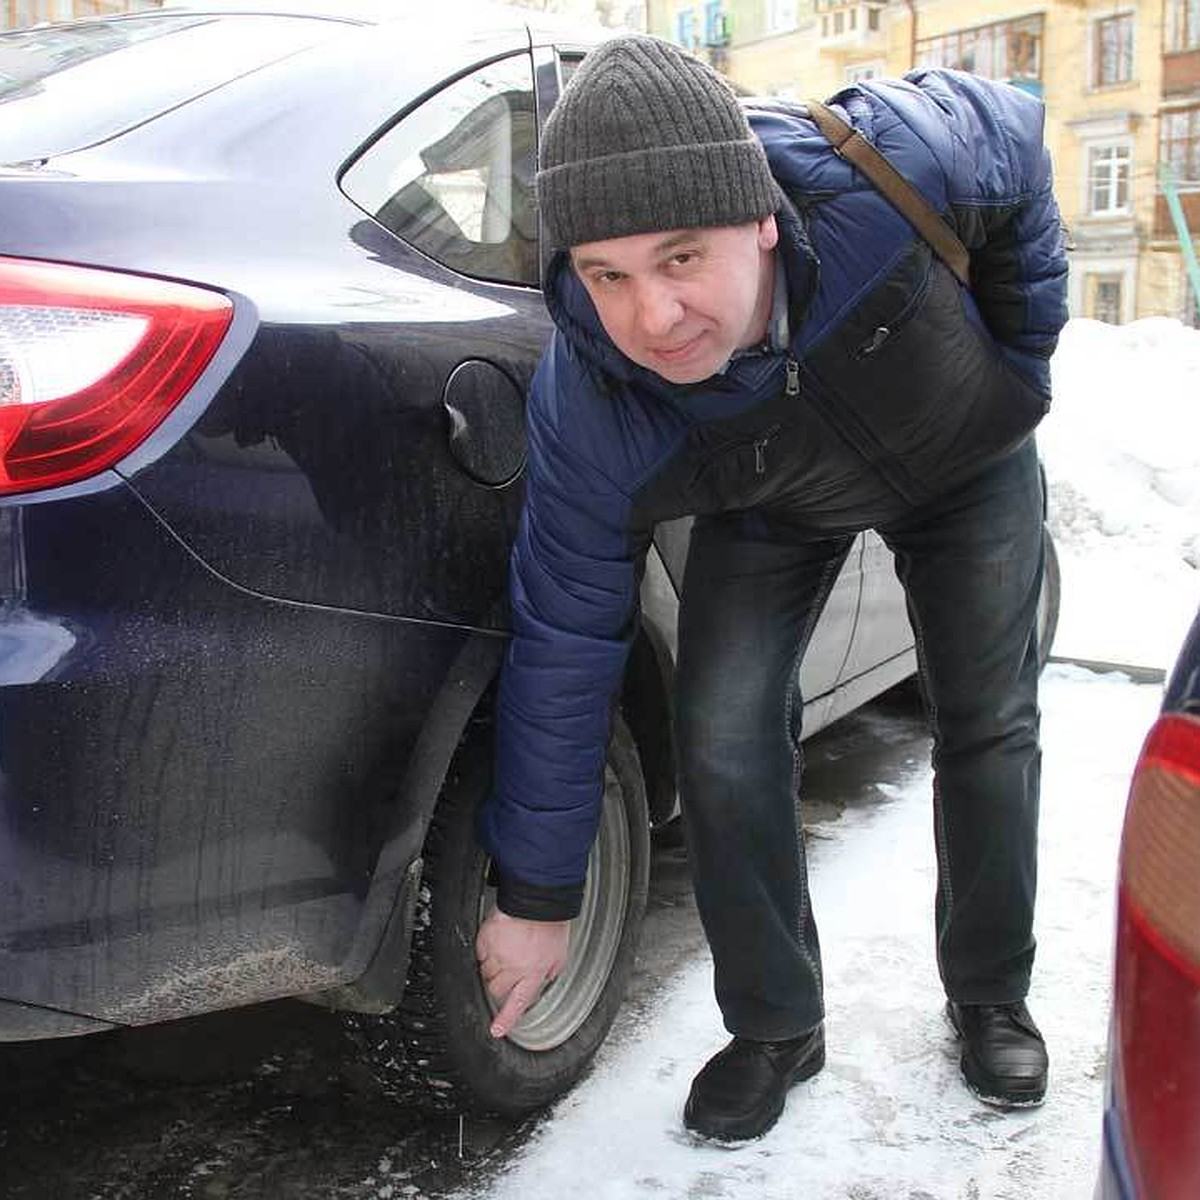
x: 685, y: 28
x: 1113, y: 51
x: 1183, y: 25
x: 1109, y: 170
x: 716, y: 24
x: 862, y: 71
x: 781, y: 15
x: 1104, y: 298
x: 1004, y: 50
x: 1179, y: 145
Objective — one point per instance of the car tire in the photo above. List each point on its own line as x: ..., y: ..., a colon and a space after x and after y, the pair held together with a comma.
x: 1048, y: 603
x: 435, y: 1050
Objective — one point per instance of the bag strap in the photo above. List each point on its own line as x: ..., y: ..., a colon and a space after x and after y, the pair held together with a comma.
x: 849, y: 144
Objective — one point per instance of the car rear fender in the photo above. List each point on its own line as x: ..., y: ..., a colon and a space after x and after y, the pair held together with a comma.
x: 378, y: 961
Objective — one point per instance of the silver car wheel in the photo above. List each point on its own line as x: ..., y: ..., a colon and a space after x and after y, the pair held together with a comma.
x: 567, y: 1002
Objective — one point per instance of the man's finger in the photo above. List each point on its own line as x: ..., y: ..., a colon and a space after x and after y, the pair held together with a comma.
x: 518, y: 1001
x: 501, y: 983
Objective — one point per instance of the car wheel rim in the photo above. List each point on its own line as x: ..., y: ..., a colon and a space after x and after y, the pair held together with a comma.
x: 567, y: 1003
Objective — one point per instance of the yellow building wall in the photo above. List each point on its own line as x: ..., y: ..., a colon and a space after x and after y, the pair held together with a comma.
x: 781, y: 64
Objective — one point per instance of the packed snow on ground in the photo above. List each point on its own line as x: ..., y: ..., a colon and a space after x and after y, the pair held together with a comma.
x: 889, y: 1119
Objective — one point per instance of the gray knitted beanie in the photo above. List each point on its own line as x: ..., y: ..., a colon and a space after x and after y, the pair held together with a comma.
x: 645, y: 138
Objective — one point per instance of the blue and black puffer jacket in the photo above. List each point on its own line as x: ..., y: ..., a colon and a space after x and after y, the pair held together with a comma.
x: 897, y: 384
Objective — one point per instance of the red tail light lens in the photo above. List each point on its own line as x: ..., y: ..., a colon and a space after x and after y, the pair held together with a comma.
x: 1157, y: 989
x: 90, y: 363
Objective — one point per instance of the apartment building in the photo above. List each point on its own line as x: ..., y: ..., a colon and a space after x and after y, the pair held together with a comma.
x: 1121, y: 84
x: 17, y: 14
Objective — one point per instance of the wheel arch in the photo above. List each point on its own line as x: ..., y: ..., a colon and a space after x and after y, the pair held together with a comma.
x: 377, y: 962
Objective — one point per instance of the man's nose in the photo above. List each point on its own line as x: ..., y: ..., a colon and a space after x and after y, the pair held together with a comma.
x: 659, y: 308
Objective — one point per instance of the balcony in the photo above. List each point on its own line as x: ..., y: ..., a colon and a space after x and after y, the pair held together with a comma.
x: 850, y: 25
x: 1181, y: 73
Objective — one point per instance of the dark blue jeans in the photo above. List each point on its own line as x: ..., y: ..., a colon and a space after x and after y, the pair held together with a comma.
x: 971, y: 565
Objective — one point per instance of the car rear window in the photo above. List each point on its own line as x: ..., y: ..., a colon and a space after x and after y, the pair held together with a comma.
x: 455, y: 176
x: 64, y: 87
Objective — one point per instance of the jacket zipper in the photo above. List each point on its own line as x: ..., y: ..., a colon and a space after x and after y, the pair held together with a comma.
x: 791, y: 389
x: 792, y: 386
x: 873, y: 343
x: 760, y: 449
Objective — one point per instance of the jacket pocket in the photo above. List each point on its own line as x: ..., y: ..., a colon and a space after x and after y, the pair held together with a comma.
x: 932, y: 400
x: 898, y: 302
x: 736, y: 472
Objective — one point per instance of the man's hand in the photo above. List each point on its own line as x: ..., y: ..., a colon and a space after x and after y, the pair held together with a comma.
x: 516, y: 957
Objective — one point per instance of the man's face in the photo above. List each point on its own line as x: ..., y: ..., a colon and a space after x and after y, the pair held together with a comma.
x: 681, y: 302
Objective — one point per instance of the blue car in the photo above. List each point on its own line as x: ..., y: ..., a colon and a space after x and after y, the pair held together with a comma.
x: 269, y: 308
x: 1152, y: 1114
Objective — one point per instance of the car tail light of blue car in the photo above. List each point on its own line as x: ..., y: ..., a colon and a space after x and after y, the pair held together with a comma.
x: 90, y: 363
x: 1152, y: 1118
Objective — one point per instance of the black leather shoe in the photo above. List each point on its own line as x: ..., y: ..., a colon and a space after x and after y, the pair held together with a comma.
x: 1004, y: 1058
x: 740, y: 1091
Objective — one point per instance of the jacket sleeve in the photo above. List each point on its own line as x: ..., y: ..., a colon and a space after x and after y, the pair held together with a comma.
x: 1001, y: 198
x: 573, y: 584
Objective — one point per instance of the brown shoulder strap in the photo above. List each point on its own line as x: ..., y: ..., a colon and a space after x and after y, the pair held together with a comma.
x: 853, y: 147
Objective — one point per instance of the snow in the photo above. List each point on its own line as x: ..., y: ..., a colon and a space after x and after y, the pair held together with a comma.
x: 889, y: 1116
x: 1122, y: 452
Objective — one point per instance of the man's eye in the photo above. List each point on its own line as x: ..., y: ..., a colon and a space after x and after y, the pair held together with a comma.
x: 608, y: 277
x: 682, y: 258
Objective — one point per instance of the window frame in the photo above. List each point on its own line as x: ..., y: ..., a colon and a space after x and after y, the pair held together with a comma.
x: 782, y: 16
x: 1188, y: 181
x: 715, y: 23
x: 950, y: 48
x: 1125, y: 21
x: 1098, y: 279
x: 1120, y: 145
x: 685, y: 28
x: 1181, y: 26
x: 862, y: 72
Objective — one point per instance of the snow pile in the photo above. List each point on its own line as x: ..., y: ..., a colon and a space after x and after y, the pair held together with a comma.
x: 1122, y: 452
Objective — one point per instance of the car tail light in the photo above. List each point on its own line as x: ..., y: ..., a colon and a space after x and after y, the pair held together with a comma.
x: 91, y: 362
x: 1156, y: 1076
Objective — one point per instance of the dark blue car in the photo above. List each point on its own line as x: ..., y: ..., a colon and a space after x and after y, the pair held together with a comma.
x: 268, y: 310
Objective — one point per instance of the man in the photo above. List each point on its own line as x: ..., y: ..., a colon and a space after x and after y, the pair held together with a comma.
x: 749, y: 332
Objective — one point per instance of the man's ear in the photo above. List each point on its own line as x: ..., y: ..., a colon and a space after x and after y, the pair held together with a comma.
x: 768, y: 233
